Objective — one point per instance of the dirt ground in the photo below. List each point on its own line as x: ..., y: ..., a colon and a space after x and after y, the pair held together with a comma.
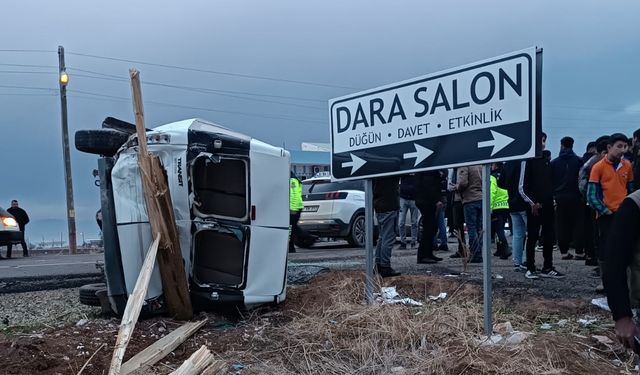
x: 324, y: 327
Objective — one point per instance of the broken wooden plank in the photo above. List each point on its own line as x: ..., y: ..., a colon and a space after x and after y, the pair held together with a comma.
x: 134, y: 305
x: 197, y: 363
x: 161, y: 216
x: 161, y: 348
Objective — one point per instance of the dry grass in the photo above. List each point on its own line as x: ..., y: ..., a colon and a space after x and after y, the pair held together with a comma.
x: 341, y: 335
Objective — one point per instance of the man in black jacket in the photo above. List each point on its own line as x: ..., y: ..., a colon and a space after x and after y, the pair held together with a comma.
x: 569, y: 213
x: 386, y: 203
x: 636, y: 158
x: 429, y: 197
x: 621, y: 269
x: 509, y: 179
x: 536, y: 188
x: 22, y: 218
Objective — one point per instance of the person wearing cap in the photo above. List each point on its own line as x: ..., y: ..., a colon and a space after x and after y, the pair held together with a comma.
x: 610, y: 181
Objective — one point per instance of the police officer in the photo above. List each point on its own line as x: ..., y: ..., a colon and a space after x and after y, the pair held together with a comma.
x: 295, y: 207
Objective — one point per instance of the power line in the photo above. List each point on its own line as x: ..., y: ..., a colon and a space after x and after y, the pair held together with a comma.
x: 212, y: 71
x: 27, y: 87
x: 53, y: 94
x: 24, y: 72
x: 115, y: 77
x: 27, y: 50
x: 119, y: 78
x: 206, y: 91
x: 259, y: 115
x: 29, y: 65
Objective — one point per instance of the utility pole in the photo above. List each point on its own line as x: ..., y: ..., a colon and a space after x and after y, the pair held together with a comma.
x: 71, y: 215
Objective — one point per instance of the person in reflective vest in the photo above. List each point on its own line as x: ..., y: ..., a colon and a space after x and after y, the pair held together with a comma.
x: 295, y: 208
x: 499, y: 212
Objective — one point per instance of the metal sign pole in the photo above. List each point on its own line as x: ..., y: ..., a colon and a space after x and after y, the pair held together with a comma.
x: 368, y: 214
x: 486, y: 247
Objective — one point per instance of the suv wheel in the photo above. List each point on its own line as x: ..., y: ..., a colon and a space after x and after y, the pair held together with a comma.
x: 100, y: 141
x: 88, y: 294
x: 357, y: 232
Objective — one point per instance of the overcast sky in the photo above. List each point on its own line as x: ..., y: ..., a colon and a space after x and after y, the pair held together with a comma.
x: 305, y: 52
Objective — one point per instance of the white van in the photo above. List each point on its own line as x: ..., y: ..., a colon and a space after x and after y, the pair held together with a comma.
x: 230, y: 196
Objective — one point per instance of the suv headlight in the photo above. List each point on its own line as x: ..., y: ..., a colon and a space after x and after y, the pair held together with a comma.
x: 9, y: 222
x: 158, y: 138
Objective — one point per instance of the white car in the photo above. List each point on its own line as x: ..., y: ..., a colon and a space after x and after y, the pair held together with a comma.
x: 333, y: 209
x: 336, y: 210
x: 230, y: 197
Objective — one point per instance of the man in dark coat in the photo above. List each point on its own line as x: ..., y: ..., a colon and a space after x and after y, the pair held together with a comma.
x: 536, y: 189
x: 386, y: 203
x: 429, y: 198
x: 569, y: 212
x: 22, y: 218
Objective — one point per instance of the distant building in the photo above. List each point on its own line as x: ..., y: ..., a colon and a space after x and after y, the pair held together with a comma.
x: 306, y: 164
x: 306, y: 146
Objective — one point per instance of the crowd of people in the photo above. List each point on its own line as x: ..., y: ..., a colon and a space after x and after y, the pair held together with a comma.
x: 568, y: 202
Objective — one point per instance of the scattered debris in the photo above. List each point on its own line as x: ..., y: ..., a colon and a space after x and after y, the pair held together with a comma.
x: 601, y: 303
x: 587, y: 322
x: 82, y: 322
x: 398, y: 370
x: 440, y: 296
x: 562, y: 323
x: 516, y: 338
x: 197, y: 363
x: 389, y: 296
x: 503, y: 328
x: 546, y: 326
x: 456, y: 274
x: 603, y: 339
x: 489, y: 341
x: 497, y: 276
x: 511, y: 339
x: 161, y: 348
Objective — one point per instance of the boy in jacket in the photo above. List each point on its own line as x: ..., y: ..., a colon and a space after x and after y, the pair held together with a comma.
x: 569, y: 213
x: 536, y: 189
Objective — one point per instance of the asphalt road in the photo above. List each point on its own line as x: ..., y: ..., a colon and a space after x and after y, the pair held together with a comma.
x: 49, y: 265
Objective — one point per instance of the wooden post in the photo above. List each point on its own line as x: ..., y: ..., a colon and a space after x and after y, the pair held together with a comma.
x: 132, y: 310
x: 161, y: 216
